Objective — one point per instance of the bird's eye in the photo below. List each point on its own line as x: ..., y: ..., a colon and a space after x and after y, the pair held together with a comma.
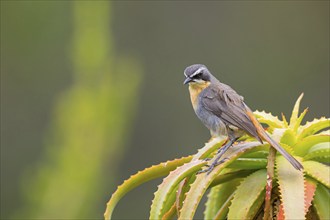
x: 198, y: 75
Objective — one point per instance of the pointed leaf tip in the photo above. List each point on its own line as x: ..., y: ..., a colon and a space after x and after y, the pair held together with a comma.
x: 295, y: 111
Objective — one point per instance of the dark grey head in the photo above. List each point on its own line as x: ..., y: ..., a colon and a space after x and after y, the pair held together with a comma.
x: 197, y: 73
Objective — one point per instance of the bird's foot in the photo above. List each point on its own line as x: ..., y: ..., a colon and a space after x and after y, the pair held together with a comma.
x: 207, y: 159
x: 211, y: 167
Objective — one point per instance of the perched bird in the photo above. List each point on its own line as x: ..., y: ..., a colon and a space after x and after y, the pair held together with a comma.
x: 224, y: 112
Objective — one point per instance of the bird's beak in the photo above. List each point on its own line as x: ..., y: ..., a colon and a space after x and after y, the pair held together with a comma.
x: 187, y: 80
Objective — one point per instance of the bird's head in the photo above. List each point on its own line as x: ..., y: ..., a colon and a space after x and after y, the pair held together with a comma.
x: 197, y: 74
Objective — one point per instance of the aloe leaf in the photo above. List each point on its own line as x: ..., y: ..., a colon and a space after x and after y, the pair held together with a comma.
x: 291, y: 188
x: 219, y: 199
x: 204, y: 152
x: 204, y: 180
x: 257, y: 154
x: 209, y: 147
x: 321, y: 202
x: 183, y: 188
x: 169, y: 184
x: 313, y: 127
x: 230, y: 176
x: 326, y: 132
x: 310, y: 187
x: 289, y: 137
x: 223, y: 210
x: 299, y: 120
x: 285, y: 122
x: 170, y: 213
x: 255, y: 208
x: 169, y: 203
x: 321, y: 151
x: 269, y: 119
x: 249, y: 163
x: 303, y: 146
x: 295, y: 111
x: 243, y: 201
x: 141, y: 177
x: 317, y: 171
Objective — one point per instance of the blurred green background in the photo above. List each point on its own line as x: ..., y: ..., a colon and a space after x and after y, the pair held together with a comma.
x: 91, y: 91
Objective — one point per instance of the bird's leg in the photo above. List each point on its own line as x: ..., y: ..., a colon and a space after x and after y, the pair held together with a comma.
x: 219, y: 154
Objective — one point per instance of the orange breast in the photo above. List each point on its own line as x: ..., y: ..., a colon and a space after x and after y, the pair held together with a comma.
x: 195, y: 89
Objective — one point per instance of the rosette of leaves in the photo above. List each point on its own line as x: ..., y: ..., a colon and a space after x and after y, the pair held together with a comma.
x: 253, y: 183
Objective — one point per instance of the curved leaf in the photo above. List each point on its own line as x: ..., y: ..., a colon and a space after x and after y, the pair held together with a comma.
x: 313, y: 127
x: 295, y: 111
x: 255, y: 208
x: 321, y: 150
x: 204, y: 180
x: 209, y: 148
x: 303, y: 146
x: 289, y: 137
x: 141, y: 177
x: 269, y: 119
x: 169, y: 184
x: 285, y: 122
x: 310, y: 187
x: 299, y: 120
x: 257, y: 154
x: 230, y: 176
x: 249, y: 163
x: 243, y: 201
x: 317, y: 171
x: 219, y: 199
x: 321, y: 202
x: 291, y: 187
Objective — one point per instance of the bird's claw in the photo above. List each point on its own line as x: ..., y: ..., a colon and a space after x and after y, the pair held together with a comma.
x: 209, y: 168
x: 207, y: 159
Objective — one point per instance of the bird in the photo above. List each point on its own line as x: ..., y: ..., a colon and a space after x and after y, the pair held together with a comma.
x: 225, y: 113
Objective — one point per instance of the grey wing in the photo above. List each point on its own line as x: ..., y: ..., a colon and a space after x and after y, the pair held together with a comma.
x: 229, y: 107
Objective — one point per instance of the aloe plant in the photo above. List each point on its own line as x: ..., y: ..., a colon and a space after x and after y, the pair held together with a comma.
x: 254, y: 183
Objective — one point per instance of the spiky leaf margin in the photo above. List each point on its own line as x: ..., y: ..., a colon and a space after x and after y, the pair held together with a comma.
x: 141, y: 177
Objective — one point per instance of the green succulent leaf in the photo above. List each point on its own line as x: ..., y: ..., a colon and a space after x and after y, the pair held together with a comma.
x: 257, y: 154
x: 313, y: 127
x: 310, y: 187
x: 303, y: 146
x: 254, y: 209
x: 289, y: 137
x: 219, y: 200
x: 141, y: 177
x: 295, y: 121
x: 269, y: 119
x: 319, y: 151
x: 243, y: 201
x: 249, y: 163
x: 202, y: 153
x: 295, y: 112
x: 204, y: 180
x: 321, y: 202
x: 291, y: 188
x: 317, y: 171
x: 231, y: 175
x: 169, y: 184
x: 209, y: 148
x: 299, y: 120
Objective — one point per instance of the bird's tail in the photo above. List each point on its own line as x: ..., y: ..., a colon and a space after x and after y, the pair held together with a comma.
x: 263, y: 135
x: 295, y: 163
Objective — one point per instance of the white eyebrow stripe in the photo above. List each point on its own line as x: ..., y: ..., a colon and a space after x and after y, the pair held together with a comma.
x: 184, y: 73
x: 197, y: 71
